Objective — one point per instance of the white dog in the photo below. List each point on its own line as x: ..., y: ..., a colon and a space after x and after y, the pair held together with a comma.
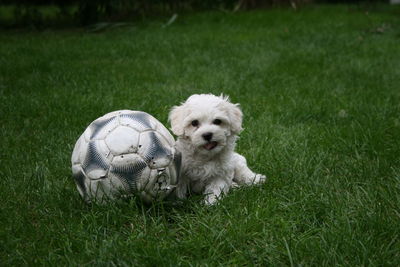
x: 207, y: 127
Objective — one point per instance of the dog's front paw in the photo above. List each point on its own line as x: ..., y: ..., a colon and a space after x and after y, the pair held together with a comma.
x: 210, y: 200
x: 235, y: 185
x: 259, y: 179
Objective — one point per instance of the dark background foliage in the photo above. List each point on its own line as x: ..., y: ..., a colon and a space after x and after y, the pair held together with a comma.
x: 87, y: 12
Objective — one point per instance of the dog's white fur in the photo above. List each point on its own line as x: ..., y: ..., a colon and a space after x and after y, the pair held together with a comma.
x: 209, y: 167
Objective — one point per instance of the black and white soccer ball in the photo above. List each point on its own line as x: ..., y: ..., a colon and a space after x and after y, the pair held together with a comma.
x: 125, y: 153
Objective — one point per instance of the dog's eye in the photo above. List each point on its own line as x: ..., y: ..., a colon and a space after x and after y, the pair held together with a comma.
x: 217, y: 122
x: 195, y: 123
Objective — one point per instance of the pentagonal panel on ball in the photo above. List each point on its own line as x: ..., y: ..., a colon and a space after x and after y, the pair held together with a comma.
x: 80, y: 179
x: 113, y: 188
x: 143, y: 180
x: 95, y: 191
x: 97, y: 160
x: 155, y: 150
x: 79, y: 152
x: 140, y: 121
x: 122, y: 140
x: 128, y: 169
x: 102, y: 126
x: 165, y: 133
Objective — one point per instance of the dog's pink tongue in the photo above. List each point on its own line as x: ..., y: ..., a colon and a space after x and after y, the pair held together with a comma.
x: 210, y: 145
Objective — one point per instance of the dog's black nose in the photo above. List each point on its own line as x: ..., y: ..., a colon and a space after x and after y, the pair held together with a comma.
x: 207, y: 136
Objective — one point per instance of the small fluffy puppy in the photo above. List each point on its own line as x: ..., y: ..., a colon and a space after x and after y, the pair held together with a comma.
x: 207, y: 127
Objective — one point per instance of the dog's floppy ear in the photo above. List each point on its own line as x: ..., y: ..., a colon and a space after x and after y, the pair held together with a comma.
x: 176, y: 117
x: 236, y: 117
x: 234, y: 113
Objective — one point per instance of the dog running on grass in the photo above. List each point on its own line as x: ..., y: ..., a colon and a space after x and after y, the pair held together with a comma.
x: 207, y: 127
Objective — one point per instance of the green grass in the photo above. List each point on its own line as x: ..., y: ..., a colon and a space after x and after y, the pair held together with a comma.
x: 320, y: 91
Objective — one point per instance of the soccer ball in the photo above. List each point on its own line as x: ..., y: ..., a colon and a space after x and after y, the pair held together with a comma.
x: 124, y: 153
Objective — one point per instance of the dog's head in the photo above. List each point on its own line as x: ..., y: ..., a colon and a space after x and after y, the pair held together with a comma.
x: 209, y: 122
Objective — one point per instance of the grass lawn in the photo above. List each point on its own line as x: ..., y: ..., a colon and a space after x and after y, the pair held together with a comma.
x: 320, y: 90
